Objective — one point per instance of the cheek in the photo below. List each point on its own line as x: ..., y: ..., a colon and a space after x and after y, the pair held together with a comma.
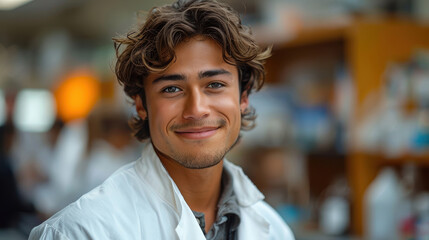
x: 229, y: 106
x: 162, y: 113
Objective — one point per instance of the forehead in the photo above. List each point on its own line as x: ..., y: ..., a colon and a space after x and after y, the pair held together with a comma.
x: 194, y: 55
x: 198, y: 46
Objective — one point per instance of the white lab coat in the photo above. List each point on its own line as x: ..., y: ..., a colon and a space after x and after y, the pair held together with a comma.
x: 141, y: 201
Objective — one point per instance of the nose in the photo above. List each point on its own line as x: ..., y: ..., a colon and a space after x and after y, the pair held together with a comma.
x: 196, y: 105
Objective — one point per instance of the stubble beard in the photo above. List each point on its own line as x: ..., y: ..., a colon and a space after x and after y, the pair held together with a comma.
x: 201, y: 159
x: 198, y: 159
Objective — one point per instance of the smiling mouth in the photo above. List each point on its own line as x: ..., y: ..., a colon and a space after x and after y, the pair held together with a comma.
x: 197, y: 133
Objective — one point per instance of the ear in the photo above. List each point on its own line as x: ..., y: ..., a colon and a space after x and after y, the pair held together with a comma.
x: 141, y: 111
x: 244, y: 102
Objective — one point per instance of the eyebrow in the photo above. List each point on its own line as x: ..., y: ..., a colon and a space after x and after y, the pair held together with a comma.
x: 171, y: 77
x: 202, y: 74
x: 212, y: 73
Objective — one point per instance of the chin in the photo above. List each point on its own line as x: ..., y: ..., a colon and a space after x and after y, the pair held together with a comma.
x: 199, y: 160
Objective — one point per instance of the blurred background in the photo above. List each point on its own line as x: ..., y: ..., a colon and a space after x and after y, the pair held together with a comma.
x: 341, y: 147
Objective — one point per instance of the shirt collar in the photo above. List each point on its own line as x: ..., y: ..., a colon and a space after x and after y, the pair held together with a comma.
x: 228, y: 200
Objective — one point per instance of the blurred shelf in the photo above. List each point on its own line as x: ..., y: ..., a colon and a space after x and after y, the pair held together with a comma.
x: 315, y: 35
x: 372, y: 44
x: 321, y: 236
x: 420, y: 159
x: 368, y: 46
x: 308, y: 232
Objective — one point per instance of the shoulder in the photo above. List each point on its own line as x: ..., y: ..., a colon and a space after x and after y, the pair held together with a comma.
x: 96, y: 213
x: 47, y: 232
x: 278, y: 228
x: 69, y: 223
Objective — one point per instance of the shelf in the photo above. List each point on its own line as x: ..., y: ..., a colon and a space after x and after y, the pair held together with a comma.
x: 379, y: 158
x: 315, y: 35
x: 368, y: 46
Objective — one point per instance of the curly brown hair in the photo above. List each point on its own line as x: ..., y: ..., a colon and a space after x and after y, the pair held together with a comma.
x: 150, y: 49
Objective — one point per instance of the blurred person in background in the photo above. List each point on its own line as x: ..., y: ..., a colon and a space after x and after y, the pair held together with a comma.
x: 14, y: 209
x: 189, y: 70
x: 110, y: 145
x: 55, y: 165
x: 10, y: 202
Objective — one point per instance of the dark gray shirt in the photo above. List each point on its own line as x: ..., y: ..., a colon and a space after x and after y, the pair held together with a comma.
x: 228, y: 215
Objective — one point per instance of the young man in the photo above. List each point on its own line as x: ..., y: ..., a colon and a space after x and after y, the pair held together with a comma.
x: 189, y: 69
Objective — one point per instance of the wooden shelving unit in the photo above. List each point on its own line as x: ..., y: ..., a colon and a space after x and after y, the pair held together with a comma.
x: 367, y: 46
x: 315, y: 35
x: 372, y: 46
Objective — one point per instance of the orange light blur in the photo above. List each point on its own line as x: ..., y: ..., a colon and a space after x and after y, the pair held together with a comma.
x: 77, y: 95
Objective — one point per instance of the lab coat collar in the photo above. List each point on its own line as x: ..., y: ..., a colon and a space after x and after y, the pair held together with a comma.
x: 246, y: 192
x: 153, y: 173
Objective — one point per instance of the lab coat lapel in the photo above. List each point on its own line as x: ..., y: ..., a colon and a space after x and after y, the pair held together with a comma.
x: 253, y: 226
x: 188, y: 227
x: 153, y: 172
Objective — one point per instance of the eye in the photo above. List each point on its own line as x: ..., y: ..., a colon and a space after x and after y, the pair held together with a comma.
x: 171, y: 89
x: 216, y: 85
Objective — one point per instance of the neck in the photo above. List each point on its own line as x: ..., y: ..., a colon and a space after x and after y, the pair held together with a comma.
x: 201, y: 188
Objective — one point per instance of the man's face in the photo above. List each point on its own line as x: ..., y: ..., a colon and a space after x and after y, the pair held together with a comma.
x: 194, y: 106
